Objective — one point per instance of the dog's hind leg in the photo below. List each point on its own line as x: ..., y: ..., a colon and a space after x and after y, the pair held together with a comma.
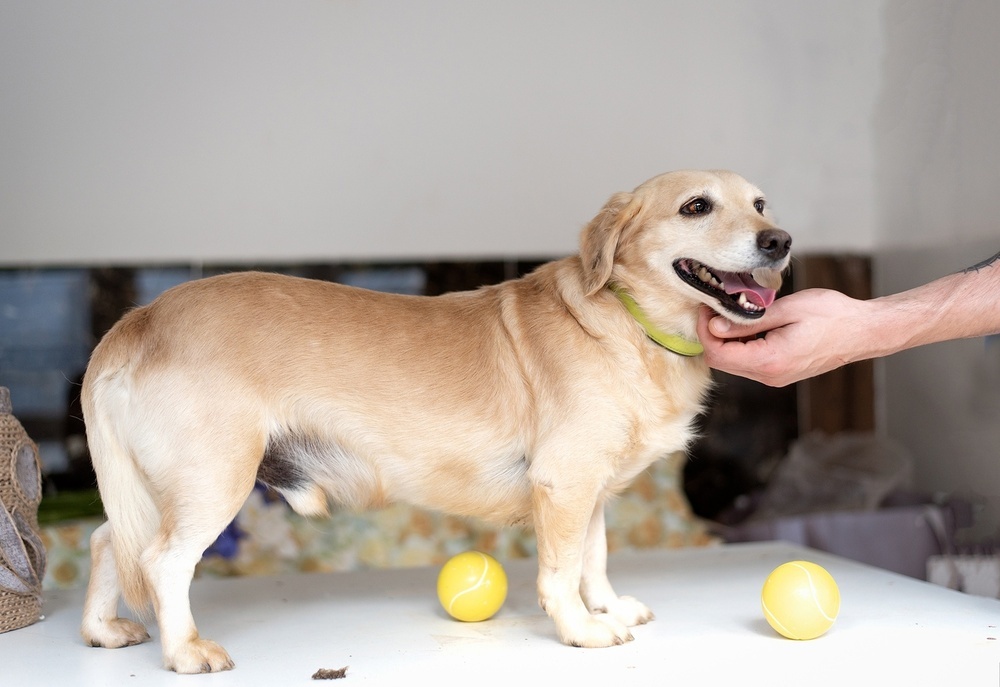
x: 198, y: 512
x: 101, y: 625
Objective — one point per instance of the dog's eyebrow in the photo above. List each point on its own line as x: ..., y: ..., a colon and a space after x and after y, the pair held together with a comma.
x: 706, y: 194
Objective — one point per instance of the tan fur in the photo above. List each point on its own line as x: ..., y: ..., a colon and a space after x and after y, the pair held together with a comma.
x: 529, y: 402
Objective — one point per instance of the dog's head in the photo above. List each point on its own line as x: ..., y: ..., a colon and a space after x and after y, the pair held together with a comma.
x: 704, y: 236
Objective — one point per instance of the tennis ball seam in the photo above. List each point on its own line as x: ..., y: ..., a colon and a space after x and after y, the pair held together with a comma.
x: 479, y: 582
x: 813, y: 591
x: 771, y: 616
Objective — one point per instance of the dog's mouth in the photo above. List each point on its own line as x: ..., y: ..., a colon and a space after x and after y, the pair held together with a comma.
x: 737, y: 292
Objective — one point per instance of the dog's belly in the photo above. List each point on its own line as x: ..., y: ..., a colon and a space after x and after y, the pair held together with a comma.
x: 311, y: 472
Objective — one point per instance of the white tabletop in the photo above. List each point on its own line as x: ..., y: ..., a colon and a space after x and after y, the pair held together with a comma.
x: 388, y: 628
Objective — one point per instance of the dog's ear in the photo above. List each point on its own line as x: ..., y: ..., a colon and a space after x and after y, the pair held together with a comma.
x: 600, y: 240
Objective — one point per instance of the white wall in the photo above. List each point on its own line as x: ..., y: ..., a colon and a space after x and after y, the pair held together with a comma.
x: 937, y: 157
x: 936, y: 129
x: 242, y: 130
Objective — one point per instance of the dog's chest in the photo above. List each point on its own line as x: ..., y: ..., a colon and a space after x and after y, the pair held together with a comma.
x: 662, y: 412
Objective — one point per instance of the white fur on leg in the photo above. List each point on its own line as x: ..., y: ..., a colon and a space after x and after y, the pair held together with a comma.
x: 101, y: 625
x: 561, y: 516
x: 169, y: 570
x: 595, y: 588
x: 575, y: 625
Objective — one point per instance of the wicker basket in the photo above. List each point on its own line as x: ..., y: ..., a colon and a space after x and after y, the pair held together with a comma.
x: 22, y: 555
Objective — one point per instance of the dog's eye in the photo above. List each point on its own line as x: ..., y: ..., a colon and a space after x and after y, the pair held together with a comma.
x: 759, y: 205
x: 697, y: 206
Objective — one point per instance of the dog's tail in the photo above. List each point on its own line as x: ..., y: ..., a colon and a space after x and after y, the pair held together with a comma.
x: 130, y: 508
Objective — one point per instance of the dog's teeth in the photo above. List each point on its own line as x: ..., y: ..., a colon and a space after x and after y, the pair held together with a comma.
x: 706, y: 276
x: 747, y: 305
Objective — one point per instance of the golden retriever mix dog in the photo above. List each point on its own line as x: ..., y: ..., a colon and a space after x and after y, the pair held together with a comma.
x: 534, y: 402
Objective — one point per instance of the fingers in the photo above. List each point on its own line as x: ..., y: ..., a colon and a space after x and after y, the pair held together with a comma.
x: 714, y: 343
x: 746, y: 358
x: 705, y: 334
x: 719, y: 327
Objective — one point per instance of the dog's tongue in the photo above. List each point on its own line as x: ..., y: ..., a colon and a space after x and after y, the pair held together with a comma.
x: 735, y: 283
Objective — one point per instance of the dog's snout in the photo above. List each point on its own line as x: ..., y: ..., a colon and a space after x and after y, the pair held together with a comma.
x: 774, y: 243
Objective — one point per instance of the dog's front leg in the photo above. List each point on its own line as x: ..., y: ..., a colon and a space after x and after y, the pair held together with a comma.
x: 562, y: 511
x: 595, y: 587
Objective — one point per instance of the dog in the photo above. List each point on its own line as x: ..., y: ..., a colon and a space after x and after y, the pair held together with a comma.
x: 528, y: 403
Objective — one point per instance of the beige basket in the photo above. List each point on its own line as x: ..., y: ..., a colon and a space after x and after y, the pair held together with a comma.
x: 22, y: 555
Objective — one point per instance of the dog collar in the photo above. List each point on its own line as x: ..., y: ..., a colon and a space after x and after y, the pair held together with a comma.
x: 672, y: 342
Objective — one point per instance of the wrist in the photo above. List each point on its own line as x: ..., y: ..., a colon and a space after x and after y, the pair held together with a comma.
x: 896, y: 323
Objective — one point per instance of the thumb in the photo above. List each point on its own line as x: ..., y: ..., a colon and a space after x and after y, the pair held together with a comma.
x: 724, y: 328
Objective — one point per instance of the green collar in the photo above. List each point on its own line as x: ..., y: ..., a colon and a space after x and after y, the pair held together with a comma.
x: 671, y: 342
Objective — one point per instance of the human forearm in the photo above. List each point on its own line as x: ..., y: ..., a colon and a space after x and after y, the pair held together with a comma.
x: 958, y: 306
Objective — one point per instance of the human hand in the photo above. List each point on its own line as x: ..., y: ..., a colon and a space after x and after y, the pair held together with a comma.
x: 805, y: 334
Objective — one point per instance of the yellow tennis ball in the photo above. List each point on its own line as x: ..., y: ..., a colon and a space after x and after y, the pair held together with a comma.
x: 800, y: 600
x: 472, y: 586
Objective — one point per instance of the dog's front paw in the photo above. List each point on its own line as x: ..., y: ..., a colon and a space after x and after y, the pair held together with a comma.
x: 114, y: 633
x: 593, y: 632
x: 627, y: 610
x: 198, y: 656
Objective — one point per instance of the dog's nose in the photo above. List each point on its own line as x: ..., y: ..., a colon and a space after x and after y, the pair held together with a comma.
x: 774, y: 243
